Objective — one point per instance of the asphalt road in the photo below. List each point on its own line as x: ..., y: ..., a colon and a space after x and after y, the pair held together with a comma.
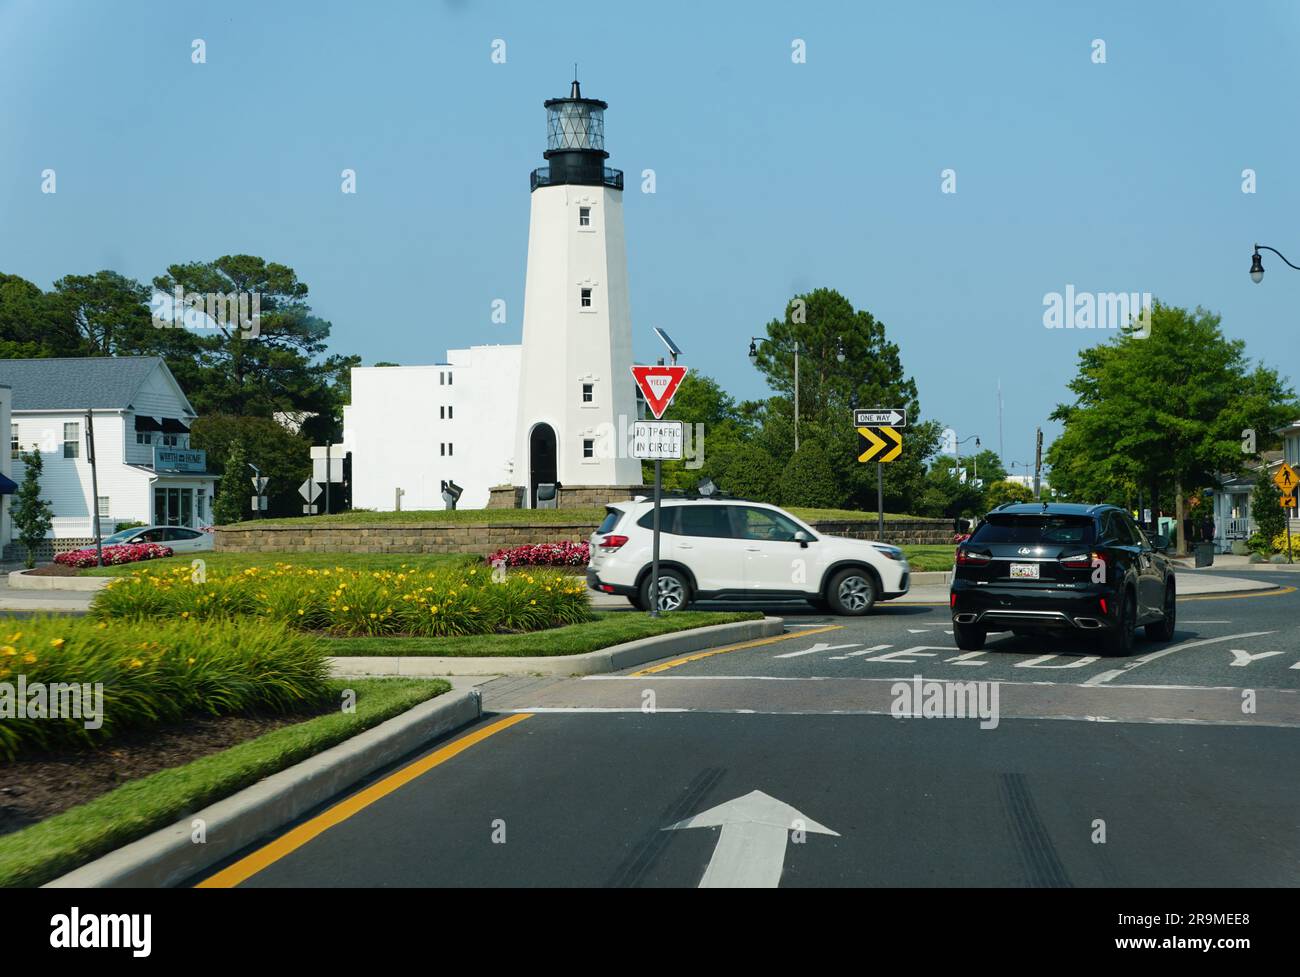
x: 802, y: 761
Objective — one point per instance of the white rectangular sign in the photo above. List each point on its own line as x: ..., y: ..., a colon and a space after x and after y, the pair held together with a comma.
x: 657, y: 440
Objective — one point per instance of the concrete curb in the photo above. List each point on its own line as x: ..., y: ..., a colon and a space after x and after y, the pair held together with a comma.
x: 931, y: 578
x: 602, y: 660
x: 21, y: 580
x: 168, y: 856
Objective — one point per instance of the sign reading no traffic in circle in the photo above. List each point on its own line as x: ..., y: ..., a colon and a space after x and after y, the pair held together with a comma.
x: 657, y: 440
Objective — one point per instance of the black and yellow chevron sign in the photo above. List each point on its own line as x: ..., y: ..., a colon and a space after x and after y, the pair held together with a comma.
x: 879, y: 444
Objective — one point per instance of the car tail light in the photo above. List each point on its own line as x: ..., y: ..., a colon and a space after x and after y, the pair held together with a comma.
x: 607, y: 588
x: 1102, y: 601
x: 612, y: 542
x: 966, y: 558
x: 1082, y: 561
x: 952, y: 600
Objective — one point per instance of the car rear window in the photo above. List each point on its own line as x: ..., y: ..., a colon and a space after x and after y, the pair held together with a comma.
x: 1034, y: 529
x: 612, y: 516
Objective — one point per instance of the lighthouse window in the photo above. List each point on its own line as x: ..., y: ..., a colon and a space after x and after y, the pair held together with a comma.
x: 584, y: 216
x: 589, y: 447
x: 586, y: 298
x: 588, y: 393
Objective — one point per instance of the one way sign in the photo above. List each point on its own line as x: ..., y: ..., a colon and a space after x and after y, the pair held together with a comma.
x: 891, y: 417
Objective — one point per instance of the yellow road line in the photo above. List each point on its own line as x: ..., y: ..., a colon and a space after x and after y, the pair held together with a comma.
x: 250, y: 865
x: 740, y: 647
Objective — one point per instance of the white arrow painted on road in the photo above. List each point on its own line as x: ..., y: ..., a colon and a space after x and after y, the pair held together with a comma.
x: 819, y: 646
x: 750, y: 853
x: 855, y: 654
x: 1243, y: 658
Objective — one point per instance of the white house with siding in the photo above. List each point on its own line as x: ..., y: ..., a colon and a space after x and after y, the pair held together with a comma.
x: 146, y: 470
x: 1234, y: 522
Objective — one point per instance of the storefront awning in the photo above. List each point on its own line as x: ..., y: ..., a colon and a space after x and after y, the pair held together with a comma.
x: 145, y: 423
x: 7, y: 485
x: 170, y: 425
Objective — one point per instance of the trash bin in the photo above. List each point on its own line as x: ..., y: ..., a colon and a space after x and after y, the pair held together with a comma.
x: 1204, y: 554
x: 547, y: 495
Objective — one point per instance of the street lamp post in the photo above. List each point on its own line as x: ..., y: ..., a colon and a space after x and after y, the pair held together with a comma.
x: 957, y: 449
x: 1257, y: 263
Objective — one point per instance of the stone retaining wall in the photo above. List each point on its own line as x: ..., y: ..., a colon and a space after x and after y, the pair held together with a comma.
x: 482, y: 539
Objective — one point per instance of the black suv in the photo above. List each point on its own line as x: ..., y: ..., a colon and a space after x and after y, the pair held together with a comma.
x: 1035, y: 567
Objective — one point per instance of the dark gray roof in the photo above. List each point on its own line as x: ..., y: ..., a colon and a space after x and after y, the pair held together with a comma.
x: 77, y: 383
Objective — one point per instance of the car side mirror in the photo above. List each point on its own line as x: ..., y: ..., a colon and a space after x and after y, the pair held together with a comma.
x: 801, y: 538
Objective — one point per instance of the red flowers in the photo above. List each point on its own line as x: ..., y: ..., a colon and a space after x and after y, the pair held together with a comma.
x: 566, y: 554
x: 114, y: 555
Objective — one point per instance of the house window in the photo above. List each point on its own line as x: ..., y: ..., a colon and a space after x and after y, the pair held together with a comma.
x: 14, y: 449
x: 442, y: 449
x: 450, y: 377
x: 450, y: 446
x: 449, y: 412
x: 586, y: 298
x: 442, y: 378
x: 103, y: 507
x: 442, y: 413
x: 170, y: 440
x: 143, y: 437
x: 584, y: 216
x: 589, y: 447
x: 71, y: 440
x: 588, y: 393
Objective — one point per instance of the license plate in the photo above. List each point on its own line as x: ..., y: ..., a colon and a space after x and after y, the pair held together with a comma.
x: 1025, y: 571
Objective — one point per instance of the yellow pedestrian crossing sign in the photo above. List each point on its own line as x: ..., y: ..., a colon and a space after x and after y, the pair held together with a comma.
x: 1285, y: 479
x: 879, y: 444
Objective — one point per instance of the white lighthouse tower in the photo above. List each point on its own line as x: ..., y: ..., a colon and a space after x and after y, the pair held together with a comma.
x: 575, y: 384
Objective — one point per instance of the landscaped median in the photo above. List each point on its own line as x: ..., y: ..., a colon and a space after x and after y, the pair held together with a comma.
x: 185, y: 713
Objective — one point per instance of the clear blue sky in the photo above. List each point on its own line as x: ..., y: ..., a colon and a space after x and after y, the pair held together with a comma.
x: 773, y: 177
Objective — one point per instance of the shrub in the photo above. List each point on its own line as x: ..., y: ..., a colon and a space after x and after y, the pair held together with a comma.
x: 566, y: 554
x: 152, y: 673
x: 1279, y: 542
x: 114, y: 555
x: 810, y: 480
x: 354, y: 603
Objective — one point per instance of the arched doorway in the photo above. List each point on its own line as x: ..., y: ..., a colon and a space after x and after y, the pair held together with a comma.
x: 541, y: 459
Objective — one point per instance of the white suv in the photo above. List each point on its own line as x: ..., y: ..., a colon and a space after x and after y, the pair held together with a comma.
x: 731, y: 549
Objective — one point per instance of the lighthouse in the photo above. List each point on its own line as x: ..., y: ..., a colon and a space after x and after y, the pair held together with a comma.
x: 576, y: 392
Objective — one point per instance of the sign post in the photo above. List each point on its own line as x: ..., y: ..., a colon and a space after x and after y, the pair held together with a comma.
x: 654, y: 440
x: 880, y: 440
x: 1285, y: 479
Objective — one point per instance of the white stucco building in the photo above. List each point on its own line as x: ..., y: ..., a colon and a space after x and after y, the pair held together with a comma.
x: 146, y: 469
x: 547, y: 411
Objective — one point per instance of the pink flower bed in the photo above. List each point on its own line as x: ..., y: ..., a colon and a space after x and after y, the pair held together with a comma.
x: 543, y: 555
x: 114, y: 555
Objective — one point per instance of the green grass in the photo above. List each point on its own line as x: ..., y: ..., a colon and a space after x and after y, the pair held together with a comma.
x: 609, y: 628
x: 589, y: 516
x: 44, y: 851
x: 930, y: 557
x: 242, y: 561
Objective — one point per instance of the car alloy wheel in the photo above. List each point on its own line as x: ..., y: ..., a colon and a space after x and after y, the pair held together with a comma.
x: 672, y: 593
x: 852, y: 592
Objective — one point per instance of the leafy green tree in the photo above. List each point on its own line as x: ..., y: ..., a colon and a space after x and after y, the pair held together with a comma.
x: 1163, y: 410
x: 1001, y: 492
x: 276, y: 369
x: 945, y: 494
x: 826, y: 326
x: 701, y: 401
x: 32, y: 515
x: 810, y: 480
x: 282, y: 456
x: 228, y: 507
x: 1269, y: 516
x: 751, y: 473
x: 108, y: 311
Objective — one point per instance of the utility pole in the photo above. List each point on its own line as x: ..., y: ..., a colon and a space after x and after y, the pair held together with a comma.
x: 1001, y: 457
x: 94, y: 484
x: 1038, y: 465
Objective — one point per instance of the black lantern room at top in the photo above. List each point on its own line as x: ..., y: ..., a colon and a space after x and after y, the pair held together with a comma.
x: 575, y: 144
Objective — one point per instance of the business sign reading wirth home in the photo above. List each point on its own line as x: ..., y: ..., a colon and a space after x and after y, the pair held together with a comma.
x: 179, y: 459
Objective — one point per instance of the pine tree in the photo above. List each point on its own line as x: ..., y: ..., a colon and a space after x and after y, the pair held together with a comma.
x: 32, y: 515
x: 229, y: 504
